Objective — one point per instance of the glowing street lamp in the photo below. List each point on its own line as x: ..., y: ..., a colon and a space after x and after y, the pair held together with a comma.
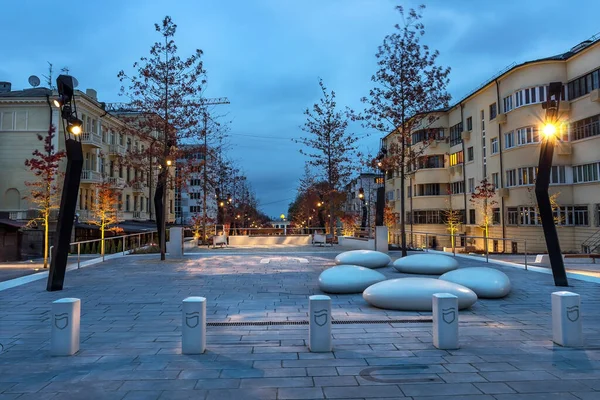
x: 542, y: 183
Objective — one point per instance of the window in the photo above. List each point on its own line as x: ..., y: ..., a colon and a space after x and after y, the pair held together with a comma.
x: 456, y: 158
x: 495, y: 216
x: 511, y: 178
x: 586, y: 127
x: 527, y: 176
x: 572, y: 215
x: 13, y: 120
x: 408, y: 191
x: 127, y: 198
x: 425, y: 135
x: 558, y: 174
x: 482, y: 120
x: 495, y: 145
x: 512, y: 216
x: 597, y: 212
x: 583, y: 85
x: 496, y: 180
x: 425, y: 217
x: 457, y: 187
x: 470, y: 123
x: 430, y: 189
x: 508, y: 105
x: 493, y: 111
x: 472, y: 217
x: 471, y: 185
x: 120, y: 205
x: 527, y: 135
x: 434, y: 161
x: 470, y: 156
x: 528, y: 216
x: 585, y: 173
x: 509, y: 140
x: 455, y: 134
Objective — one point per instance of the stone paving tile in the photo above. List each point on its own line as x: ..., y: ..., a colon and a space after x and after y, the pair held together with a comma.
x: 537, y: 396
x: 300, y: 393
x: 142, y: 395
x: 131, y: 337
x: 183, y: 395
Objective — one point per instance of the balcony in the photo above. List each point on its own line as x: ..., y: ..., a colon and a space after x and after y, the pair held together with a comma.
x: 89, y: 176
x: 456, y: 169
x: 140, y: 216
x: 116, y: 182
x: 138, y: 187
x: 116, y: 150
x: 91, y: 139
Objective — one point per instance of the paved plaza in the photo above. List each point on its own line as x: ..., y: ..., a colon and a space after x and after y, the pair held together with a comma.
x: 131, y: 320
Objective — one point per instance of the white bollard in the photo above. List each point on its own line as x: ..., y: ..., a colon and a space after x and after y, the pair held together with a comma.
x: 445, y: 321
x: 65, y: 319
x: 319, y: 325
x: 381, y: 239
x: 566, y: 319
x: 193, y: 327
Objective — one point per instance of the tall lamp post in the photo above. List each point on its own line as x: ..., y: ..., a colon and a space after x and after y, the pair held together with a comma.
x: 380, y: 207
x: 361, y: 196
x: 72, y: 127
x: 543, y: 181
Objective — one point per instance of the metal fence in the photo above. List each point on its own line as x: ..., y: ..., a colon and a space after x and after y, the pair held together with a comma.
x: 112, y: 245
x: 461, y: 244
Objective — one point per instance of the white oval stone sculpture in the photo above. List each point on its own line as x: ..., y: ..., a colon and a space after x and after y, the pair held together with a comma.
x: 427, y: 264
x: 486, y: 282
x: 363, y: 258
x: 348, y: 279
x: 415, y: 294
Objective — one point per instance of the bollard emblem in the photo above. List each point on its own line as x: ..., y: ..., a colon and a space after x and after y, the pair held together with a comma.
x: 449, y: 315
x: 321, y: 317
x: 192, y: 319
x: 573, y: 313
x: 61, y: 321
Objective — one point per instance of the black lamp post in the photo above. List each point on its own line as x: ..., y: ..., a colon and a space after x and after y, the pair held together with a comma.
x: 543, y: 181
x: 72, y: 128
x: 361, y: 196
x: 380, y: 204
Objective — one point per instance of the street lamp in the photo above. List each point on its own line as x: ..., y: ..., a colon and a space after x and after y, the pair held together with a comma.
x: 361, y: 196
x: 542, y: 183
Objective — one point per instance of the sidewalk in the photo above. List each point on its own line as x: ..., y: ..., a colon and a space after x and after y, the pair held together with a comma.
x: 130, y: 337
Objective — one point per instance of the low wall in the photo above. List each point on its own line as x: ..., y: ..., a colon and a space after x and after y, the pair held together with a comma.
x: 356, y: 243
x: 242, y: 240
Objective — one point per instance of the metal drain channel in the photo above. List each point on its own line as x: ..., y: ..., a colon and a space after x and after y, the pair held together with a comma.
x: 334, y: 322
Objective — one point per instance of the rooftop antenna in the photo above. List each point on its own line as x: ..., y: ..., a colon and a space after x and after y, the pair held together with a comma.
x: 48, y: 77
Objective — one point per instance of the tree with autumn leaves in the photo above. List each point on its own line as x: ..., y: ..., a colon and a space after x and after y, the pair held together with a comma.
x: 44, y: 192
x: 104, y: 211
x: 482, y: 199
x: 410, y: 85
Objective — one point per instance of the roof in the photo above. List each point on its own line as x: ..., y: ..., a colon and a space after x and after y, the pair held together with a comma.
x: 33, y: 92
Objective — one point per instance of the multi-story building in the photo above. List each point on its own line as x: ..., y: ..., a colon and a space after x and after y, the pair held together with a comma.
x: 25, y: 114
x: 369, y: 182
x: 494, y: 134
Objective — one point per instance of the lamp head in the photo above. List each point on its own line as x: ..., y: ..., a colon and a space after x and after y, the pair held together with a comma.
x: 549, y: 130
x: 74, y: 125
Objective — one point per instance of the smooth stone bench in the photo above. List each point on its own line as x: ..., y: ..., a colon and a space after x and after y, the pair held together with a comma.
x: 415, y: 294
x: 487, y: 283
x: 348, y: 279
x: 363, y: 258
x: 427, y: 264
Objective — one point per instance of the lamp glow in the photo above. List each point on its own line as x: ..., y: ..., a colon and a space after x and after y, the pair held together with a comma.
x: 549, y: 130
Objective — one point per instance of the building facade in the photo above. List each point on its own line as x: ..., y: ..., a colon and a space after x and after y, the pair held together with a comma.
x: 369, y: 183
x: 494, y: 133
x: 26, y: 114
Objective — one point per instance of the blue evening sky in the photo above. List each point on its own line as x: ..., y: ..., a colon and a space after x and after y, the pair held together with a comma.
x: 266, y: 56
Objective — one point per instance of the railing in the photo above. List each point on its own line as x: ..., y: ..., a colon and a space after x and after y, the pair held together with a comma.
x: 91, y: 138
x: 116, y: 182
x: 137, y: 187
x: 434, y: 240
x: 116, y: 150
x: 87, y: 175
x: 112, y: 245
x: 592, y: 243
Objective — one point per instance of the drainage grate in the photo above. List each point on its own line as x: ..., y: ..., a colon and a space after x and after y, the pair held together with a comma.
x: 334, y: 322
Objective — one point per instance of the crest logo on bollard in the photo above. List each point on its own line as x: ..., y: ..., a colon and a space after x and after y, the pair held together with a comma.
x: 573, y: 313
x: 192, y: 319
x: 320, y: 317
x: 61, y: 321
x: 449, y: 315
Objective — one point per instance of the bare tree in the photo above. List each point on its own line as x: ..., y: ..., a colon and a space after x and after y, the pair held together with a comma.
x: 409, y: 86
x: 482, y: 199
x: 166, y: 91
x: 332, y: 147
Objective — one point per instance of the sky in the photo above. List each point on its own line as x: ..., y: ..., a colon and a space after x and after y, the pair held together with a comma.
x: 267, y: 56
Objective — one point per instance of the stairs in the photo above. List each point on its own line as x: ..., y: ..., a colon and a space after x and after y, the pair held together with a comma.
x: 592, y: 243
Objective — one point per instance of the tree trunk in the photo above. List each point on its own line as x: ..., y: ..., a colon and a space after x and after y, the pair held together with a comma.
x: 402, y: 202
x: 46, y: 239
x: 102, y: 241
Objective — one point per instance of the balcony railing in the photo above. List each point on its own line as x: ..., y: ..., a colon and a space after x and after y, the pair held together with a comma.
x: 89, y: 176
x: 116, y: 150
x: 138, y: 187
x: 91, y: 138
x: 116, y: 182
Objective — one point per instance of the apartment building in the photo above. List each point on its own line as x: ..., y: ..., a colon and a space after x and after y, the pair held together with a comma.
x: 25, y: 114
x: 494, y: 133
